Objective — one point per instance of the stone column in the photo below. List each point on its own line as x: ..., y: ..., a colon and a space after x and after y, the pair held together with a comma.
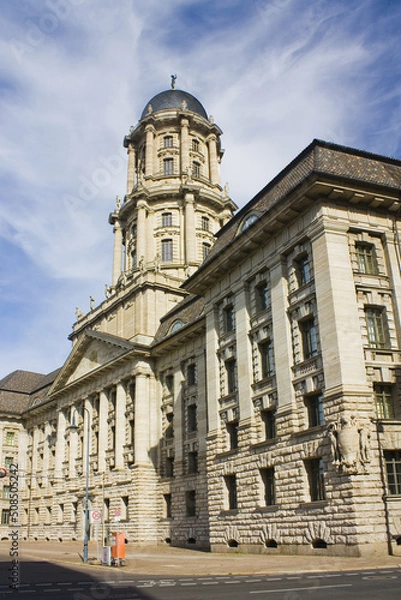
x: 60, y: 444
x: 131, y: 179
x: 117, y: 251
x: 87, y: 417
x: 244, y: 355
x: 141, y: 233
x: 283, y: 354
x: 149, y: 150
x: 141, y: 442
x: 103, y: 435
x: 212, y: 369
x: 34, y: 462
x: 339, y: 327
x: 120, y: 426
x: 184, y: 145
x: 73, y: 438
x: 213, y: 161
x: 190, y: 235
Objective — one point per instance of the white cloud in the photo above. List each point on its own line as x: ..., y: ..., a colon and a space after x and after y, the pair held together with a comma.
x: 274, y: 74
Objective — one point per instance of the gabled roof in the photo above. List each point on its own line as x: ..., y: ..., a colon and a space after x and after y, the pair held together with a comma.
x: 94, y: 351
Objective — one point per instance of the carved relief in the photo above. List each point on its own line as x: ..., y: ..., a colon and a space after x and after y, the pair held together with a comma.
x: 349, y: 445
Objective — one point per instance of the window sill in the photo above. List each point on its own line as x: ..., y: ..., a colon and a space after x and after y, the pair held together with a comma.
x: 266, y: 509
x: 314, y: 504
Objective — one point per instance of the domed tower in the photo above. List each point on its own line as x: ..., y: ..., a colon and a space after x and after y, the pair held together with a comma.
x: 174, y: 201
x: 166, y: 223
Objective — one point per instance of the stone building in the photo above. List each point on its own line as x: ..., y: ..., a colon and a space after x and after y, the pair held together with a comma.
x: 239, y: 386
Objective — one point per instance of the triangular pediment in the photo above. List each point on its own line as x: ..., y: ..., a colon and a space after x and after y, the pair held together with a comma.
x: 94, y: 351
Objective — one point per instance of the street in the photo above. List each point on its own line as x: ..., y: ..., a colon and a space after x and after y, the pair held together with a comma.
x: 44, y: 580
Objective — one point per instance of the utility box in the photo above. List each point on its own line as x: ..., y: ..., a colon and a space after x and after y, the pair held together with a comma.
x: 106, y: 555
x: 118, y: 547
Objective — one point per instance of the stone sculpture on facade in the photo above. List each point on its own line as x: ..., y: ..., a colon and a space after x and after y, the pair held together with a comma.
x: 349, y: 445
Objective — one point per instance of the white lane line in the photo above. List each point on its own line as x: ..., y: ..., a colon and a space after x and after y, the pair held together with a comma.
x: 300, y: 589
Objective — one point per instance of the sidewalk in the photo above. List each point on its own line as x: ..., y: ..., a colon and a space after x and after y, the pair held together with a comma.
x: 172, y: 562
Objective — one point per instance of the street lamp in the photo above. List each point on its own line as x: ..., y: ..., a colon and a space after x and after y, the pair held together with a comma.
x: 73, y: 427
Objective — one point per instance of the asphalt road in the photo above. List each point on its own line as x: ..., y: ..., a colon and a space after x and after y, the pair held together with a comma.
x: 43, y: 580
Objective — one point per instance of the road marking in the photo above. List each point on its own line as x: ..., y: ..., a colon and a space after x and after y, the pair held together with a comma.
x: 53, y: 590
x: 43, y: 584
x: 299, y: 589
x: 251, y: 580
x: 189, y: 583
x: 210, y: 583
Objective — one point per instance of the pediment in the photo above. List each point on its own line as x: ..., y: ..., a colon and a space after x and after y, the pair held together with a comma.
x: 94, y: 351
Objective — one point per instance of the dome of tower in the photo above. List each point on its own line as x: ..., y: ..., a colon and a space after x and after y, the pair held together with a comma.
x: 174, y: 99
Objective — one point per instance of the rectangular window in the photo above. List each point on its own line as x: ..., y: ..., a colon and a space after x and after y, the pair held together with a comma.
x: 302, y: 270
x: 169, y: 432
x: 229, y: 319
x: 309, y: 338
x: 169, y: 470
x: 231, y: 372
x: 169, y: 381
x: 195, y: 145
x: 231, y: 489
x: 190, y: 503
x: 168, y: 141
x: 192, y: 378
x: 192, y: 462
x: 60, y: 516
x: 10, y: 438
x: 366, y: 257
x: 393, y: 466
x: 5, y: 516
x: 269, y: 488
x: 167, y: 219
x: 384, y: 401
x: 124, y: 508
x: 192, y: 418
x: 266, y: 358
x: 262, y: 299
x: 205, y: 223
x: 232, y: 432
x: 168, y: 166
x: 196, y: 169
x: 314, y: 407
x: 167, y: 250
x: 314, y: 470
x: 376, y: 326
x: 269, y: 420
x: 167, y: 506
x: 8, y: 461
x: 6, y: 491
x: 205, y: 250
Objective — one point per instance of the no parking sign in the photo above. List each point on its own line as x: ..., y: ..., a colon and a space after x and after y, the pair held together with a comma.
x: 95, y: 516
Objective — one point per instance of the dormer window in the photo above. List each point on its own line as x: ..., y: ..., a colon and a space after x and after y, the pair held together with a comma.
x: 247, y: 222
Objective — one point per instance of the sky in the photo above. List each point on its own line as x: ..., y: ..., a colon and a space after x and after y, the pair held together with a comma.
x: 76, y: 74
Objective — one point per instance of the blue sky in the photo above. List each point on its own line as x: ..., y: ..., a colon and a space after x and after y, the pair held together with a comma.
x: 76, y: 74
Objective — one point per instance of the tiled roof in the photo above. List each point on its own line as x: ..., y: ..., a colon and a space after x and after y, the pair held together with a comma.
x: 187, y: 311
x: 319, y: 159
x: 20, y: 389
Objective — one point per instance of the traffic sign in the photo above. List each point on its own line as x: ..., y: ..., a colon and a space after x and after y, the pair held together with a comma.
x: 3, y: 472
x: 95, y: 516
